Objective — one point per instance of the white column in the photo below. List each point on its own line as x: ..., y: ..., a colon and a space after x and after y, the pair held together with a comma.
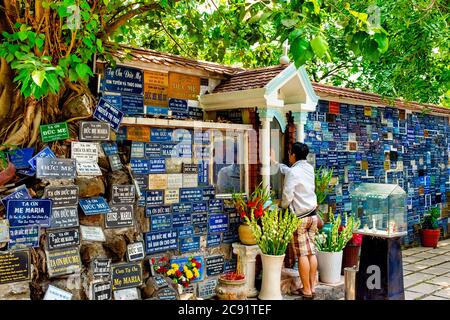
x: 300, y: 121
x: 247, y: 260
x: 265, y: 151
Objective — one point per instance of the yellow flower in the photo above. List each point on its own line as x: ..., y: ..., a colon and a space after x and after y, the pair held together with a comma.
x: 194, y: 269
x: 175, y: 266
x: 185, y: 268
x: 193, y: 264
x: 189, y: 274
x: 170, y: 272
x: 196, y: 274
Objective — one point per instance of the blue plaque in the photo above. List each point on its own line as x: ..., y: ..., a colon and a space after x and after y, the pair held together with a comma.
x: 139, y: 166
x: 152, y: 150
x: 195, y: 113
x: 124, y: 79
x: 97, y: 205
x: 27, y: 172
x: 232, y: 234
x: 154, y: 198
x: 203, y: 172
x: 30, y: 211
x: 185, y: 231
x: 132, y: 104
x: 213, y: 240
x: 182, y: 208
x: 106, y: 112
x: 168, y: 150
x: 180, y: 114
x: 157, y: 111
x: 200, y: 207
x: 217, y: 223
x: 191, y: 195
x: 161, y: 222
x: 201, y: 228
x: 114, y: 99
x: 137, y: 149
x: 23, y: 237
x: 200, y: 218
x: 161, y: 135
x: 121, y: 134
x: 156, y: 165
x: 189, y: 244
x: 160, y: 241
x: 180, y: 220
x: 44, y: 153
x: 21, y: 157
x: 178, y: 105
x: 20, y: 193
x: 110, y: 148
x: 215, y: 206
x: 209, y: 193
x: 150, y: 211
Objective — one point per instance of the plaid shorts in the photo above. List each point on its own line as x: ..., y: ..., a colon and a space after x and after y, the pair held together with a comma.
x: 302, y: 242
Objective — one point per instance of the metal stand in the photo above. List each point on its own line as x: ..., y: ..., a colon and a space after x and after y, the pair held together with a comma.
x: 380, y: 275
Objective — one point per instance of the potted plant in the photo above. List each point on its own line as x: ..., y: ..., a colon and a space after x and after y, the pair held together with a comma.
x: 231, y: 286
x: 330, y: 247
x: 430, y: 230
x: 257, y: 203
x: 272, y: 236
x: 351, y: 252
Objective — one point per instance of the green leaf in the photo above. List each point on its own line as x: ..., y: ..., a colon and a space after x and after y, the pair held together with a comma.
x: 319, y: 46
x: 23, y: 35
x: 38, y: 77
x: 383, y: 42
x: 83, y: 70
x: 39, y: 43
x: 301, y: 51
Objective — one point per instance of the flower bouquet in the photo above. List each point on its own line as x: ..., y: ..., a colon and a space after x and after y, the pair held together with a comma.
x: 182, y: 275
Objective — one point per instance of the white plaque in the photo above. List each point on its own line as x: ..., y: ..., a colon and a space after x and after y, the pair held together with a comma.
x: 174, y: 180
x: 171, y: 196
x: 54, y: 293
x: 4, y: 230
x: 88, y: 169
x: 84, y: 151
x: 89, y: 233
x: 127, y: 294
x: 190, y: 180
x: 157, y: 181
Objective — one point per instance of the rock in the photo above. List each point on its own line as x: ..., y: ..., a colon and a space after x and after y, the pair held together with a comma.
x: 141, y: 221
x: 90, y: 251
x: 116, y: 242
x: 94, y: 220
x: 15, y: 291
x: 118, y: 177
x: 78, y: 107
x: 90, y: 186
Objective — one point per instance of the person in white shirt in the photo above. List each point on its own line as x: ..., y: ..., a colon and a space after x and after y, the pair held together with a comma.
x: 299, y: 196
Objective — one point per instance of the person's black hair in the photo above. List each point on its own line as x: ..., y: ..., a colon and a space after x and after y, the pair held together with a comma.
x: 300, y: 150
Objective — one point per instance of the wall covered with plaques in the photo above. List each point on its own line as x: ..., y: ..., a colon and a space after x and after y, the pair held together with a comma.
x: 383, y: 145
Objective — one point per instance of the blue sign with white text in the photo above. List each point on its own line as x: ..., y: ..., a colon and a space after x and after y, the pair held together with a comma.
x: 106, y: 112
x: 20, y: 193
x: 93, y: 206
x: 110, y: 148
x: 178, y: 105
x: 28, y: 212
x: 199, y: 207
x: 160, y: 222
x: 140, y: 166
x: 156, y: 165
x: 160, y: 241
x: 213, y: 240
x: 182, y: 208
x: 44, y: 153
x: 23, y: 237
x: 180, y: 220
x: 218, y: 223
x: 152, y: 150
x: 124, y: 79
x: 185, y: 231
x: 20, y: 157
x: 215, y: 206
x: 151, y: 211
x: 191, y: 195
x: 154, y: 197
x: 132, y: 104
x: 189, y: 244
x: 161, y: 135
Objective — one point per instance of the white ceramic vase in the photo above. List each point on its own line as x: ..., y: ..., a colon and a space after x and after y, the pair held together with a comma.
x: 271, y: 277
x: 329, y: 265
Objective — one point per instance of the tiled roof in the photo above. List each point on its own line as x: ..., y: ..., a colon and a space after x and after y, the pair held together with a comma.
x: 167, y: 59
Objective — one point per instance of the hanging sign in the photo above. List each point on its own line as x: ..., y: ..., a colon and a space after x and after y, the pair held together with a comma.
x: 182, y: 208
x: 94, y: 131
x: 218, y: 223
x: 183, y: 86
x: 189, y: 244
x: 102, y: 291
x: 121, y: 216
x: 44, y: 153
x: 15, y: 266
x: 161, y: 135
x: 150, y: 211
x: 88, y: 169
x: 23, y: 237
x: 64, y: 217
x: 155, y: 88
x: 154, y: 197
x: 123, y: 194
x: 20, y: 157
x: 101, y: 267
x: 63, y: 239
x: 191, y: 195
x: 135, y: 251
x: 181, y: 220
x: 124, y: 79
x: 108, y: 113
x: 140, y: 166
x: 109, y: 148
x: 63, y: 261
x: 84, y: 151
x: 115, y: 163
x: 21, y: 192
x: 140, y: 133
x: 161, y: 222
x: 62, y: 196
x: 189, y: 168
x: 26, y: 212
x: 161, y: 241
x: 89, y: 233
x: 97, y: 205
x: 157, y: 181
x: 213, y: 240
x: 214, y: 265
x: 54, y: 293
x: 55, y: 168
x: 156, y: 165
x: 171, y: 196
x: 126, y: 275
x: 54, y: 131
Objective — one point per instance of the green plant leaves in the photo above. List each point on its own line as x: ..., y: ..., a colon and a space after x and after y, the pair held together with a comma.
x: 38, y: 77
x: 319, y: 46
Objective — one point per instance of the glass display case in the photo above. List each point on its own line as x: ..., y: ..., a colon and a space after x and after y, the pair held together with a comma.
x: 381, y: 208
